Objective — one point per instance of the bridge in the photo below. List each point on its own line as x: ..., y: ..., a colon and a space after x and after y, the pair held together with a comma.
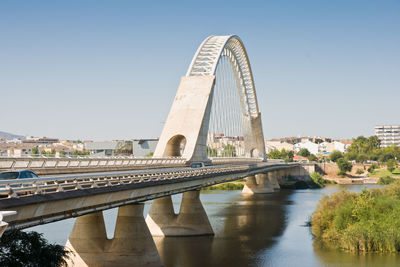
x: 214, y: 119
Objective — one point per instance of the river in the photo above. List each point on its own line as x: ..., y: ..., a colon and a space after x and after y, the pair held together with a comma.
x: 258, y: 230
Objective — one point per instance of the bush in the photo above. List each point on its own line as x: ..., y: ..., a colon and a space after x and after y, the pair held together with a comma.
x: 344, y: 166
x: 391, y: 165
x: 317, y: 179
x: 386, y: 180
x: 359, y: 171
x: 335, y: 155
x: 372, y: 168
x: 366, y: 222
x: 312, y: 157
x: 304, y: 152
x: 396, y: 171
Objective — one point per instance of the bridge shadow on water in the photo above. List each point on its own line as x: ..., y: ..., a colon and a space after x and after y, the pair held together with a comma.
x: 244, y: 229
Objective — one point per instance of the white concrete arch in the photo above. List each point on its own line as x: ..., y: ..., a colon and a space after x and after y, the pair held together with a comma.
x: 190, y: 113
x: 207, y: 57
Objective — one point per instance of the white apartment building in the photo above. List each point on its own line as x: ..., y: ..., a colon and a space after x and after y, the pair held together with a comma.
x: 388, y: 134
x: 312, y: 147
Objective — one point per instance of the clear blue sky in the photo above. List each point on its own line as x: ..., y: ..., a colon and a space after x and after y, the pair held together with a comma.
x: 110, y: 69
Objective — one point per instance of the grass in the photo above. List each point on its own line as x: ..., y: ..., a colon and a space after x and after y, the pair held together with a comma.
x: 386, y: 180
x: 384, y: 172
x: 364, y: 222
x: 396, y: 171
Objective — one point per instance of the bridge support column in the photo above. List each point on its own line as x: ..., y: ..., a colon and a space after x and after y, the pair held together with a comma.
x: 87, y: 240
x: 192, y: 219
x: 132, y: 244
x: 273, y: 178
x: 258, y: 184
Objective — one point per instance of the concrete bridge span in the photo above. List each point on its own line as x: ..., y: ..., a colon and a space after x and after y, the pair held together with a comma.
x: 40, y: 201
x: 85, y: 196
x: 127, y: 182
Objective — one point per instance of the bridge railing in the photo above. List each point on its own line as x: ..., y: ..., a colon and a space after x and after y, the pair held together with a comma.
x: 40, y: 162
x: 27, y: 187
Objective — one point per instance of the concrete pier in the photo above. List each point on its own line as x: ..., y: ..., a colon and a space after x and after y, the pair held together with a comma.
x: 258, y: 184
x: 273, y: 178
x: 132, y: 244
x: 192, y: 219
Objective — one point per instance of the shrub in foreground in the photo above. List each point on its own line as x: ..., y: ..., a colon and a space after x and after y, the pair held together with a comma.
x: 19, y: 248
x: 386, y: 180
x: 368, y: 221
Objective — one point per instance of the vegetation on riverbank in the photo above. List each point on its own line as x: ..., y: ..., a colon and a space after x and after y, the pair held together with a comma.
x: 366, y: 222
x: 19, y: 248
x: 386, y: 180
x: 316, y: 181
x: 225, y: 186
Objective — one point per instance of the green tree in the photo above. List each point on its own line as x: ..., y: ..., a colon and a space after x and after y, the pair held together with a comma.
x: 35, y: 151
x: 19, y: 248
x: 362, y: 157
x: 212, y: 152
x: 304, y: 152
x: 391, y: 165
x: 274, y: 154
x: 287, y: 155
x: 228, y: 151
x: 335, y: 155
x: 312, y: 157
x: 344, y: 166
x: 62, y: 153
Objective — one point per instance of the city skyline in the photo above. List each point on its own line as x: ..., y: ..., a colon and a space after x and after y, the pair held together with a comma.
x: 100, y: 71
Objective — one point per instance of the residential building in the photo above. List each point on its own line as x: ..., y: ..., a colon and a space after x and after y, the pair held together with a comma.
x: 310, y: 146
x: 278, y: 145
x: 40, y: 140
x: 388, y: 135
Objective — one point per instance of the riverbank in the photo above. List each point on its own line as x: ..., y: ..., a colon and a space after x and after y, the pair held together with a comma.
x: 237, y: 185
x: 366, y: 222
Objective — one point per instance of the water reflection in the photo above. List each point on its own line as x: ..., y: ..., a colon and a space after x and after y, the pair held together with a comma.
x: 337, y: 257
x: 250, y: 224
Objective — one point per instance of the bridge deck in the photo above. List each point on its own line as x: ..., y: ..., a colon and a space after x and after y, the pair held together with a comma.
x: 44, y: 200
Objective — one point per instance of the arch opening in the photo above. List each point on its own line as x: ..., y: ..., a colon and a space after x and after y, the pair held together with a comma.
x: 175, y: 146
x: 254, y: 153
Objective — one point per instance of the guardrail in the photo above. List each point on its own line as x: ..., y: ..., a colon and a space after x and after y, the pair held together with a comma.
x: 38, y: 163
x: 50, y: 185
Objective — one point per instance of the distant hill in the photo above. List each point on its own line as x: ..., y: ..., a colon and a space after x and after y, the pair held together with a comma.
x: 9, y: 136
